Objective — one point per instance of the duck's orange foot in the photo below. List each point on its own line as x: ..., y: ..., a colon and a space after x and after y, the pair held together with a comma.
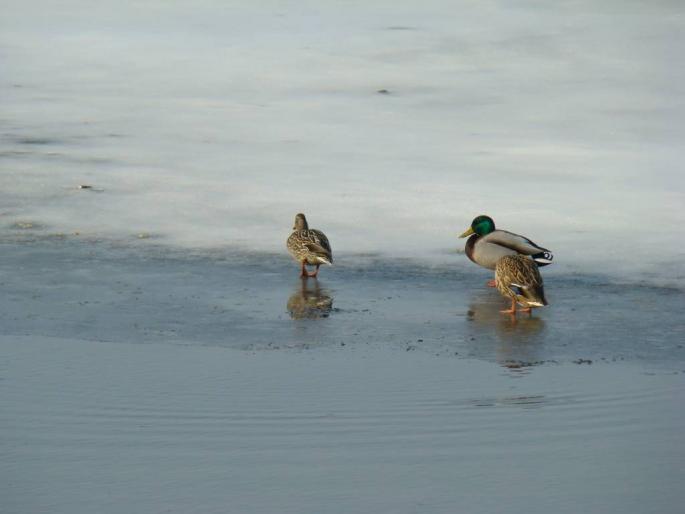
x: 491, y: 283
x: 511, y: 310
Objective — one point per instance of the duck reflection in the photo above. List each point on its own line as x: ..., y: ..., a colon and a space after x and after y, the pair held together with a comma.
x: 510, y: 341
x: 310, y: 300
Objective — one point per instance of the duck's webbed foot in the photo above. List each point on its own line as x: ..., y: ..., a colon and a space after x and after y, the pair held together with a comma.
x: 491, y: 283
x: 305, y: 274
x: 511, y: 311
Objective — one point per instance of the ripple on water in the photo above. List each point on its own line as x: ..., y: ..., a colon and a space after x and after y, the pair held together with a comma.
x: 138, y: 420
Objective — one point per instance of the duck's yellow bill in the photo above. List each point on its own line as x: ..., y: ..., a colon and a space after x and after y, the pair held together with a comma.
x: 467, y: 233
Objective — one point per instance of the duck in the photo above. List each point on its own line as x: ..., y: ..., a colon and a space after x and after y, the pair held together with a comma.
x: 308, y: 246
x: 487, y: 245
x: 518, y: 278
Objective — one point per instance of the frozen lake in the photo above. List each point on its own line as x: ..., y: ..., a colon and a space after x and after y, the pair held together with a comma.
x: 158, y: 352
x: 212, y: 124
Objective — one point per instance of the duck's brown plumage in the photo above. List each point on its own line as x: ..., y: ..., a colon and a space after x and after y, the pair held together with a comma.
x: 309, y: 246
x: 518, y: 278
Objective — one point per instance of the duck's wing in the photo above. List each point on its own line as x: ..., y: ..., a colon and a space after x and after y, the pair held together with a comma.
x: 317, y: 243
x: 320, y: 243
x: 520, y: 244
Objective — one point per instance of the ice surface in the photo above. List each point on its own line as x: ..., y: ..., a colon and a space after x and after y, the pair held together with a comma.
x: 211, y: 124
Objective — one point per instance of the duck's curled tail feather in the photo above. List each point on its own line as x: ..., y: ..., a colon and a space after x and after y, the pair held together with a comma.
x: 543, y: 258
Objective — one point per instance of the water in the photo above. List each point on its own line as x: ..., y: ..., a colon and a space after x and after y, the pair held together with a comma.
x: 118, y: 427
x: 158, y: 352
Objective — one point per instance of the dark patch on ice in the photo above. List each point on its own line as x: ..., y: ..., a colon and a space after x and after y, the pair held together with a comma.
x: 36, y: 141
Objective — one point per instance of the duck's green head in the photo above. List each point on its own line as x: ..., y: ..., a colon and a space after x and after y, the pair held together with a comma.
x: 481, y: 225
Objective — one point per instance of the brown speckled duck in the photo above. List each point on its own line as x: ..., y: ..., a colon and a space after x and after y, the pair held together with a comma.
x: 487, y: 246
x: 309, y: 246
x: 518, y: 278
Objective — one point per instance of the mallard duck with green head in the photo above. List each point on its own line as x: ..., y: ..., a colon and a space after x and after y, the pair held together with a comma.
x: 518, y: 278
x: 309, y: 246
x: 487, y: 245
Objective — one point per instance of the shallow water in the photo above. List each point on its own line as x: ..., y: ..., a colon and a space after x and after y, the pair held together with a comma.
x: 98, y: 291
x: 103, y: 292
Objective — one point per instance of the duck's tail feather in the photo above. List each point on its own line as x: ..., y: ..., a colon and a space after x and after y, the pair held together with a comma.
x: 543, y: 258
x: 531, y: 295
